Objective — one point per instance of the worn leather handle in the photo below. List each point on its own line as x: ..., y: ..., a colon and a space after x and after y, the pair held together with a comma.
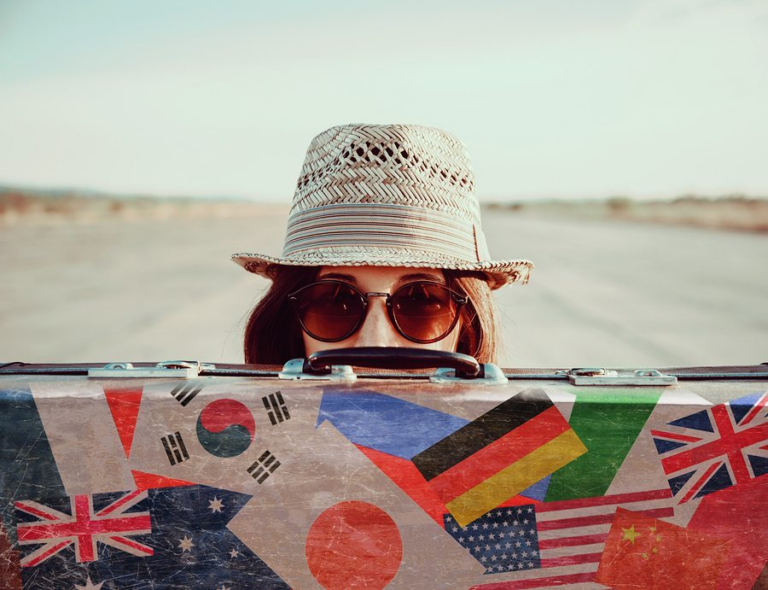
x: 385, y: 357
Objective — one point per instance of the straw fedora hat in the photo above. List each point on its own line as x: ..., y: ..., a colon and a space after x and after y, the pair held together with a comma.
x: 387, y: 195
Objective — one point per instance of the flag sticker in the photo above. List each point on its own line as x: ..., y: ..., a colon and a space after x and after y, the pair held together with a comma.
x: 503, y: 540
x: 173, y: 537
x: 566, y: 538
x: 175, y: 448
x: 263, y: 467
x: 499, y: 454
x: 84, y: 527
x: 608, y: 421
x: 186, y: 392
x: 225, y: 428
x: 354, y: 544
x: 385, y: 423
x: 660, y: 554
x: 276, y: 408
x: 715, y: 448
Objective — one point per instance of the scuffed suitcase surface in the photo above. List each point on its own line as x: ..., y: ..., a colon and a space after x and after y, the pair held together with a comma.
x: 255, y: 482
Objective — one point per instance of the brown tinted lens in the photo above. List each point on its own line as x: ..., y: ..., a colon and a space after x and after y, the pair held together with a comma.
x: 424, y: 311
x: 330, y: 311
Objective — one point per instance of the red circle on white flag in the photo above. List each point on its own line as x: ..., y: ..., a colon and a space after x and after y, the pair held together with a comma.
x: 354, y: 545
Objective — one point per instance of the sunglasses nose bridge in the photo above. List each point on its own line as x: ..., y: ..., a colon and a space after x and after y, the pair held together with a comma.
x: 367, y: 296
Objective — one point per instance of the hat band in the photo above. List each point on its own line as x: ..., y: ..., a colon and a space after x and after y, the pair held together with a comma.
x: 374, y: 225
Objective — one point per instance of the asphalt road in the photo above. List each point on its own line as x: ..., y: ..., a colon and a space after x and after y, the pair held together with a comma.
x: 628, y: 294
x: 603, y: 293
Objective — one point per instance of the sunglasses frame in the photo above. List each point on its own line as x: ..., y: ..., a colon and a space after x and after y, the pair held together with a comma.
x: 459, y: 299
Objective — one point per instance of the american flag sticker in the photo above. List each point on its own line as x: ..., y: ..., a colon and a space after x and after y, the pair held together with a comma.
x: 175, y: 448
x: 503, y: 540
x: 276, y: 408
x: 553, y: 543
x: 186, y: 392
x: 263, y: 467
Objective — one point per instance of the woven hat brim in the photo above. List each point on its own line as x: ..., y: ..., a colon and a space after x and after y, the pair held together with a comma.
x: 498, y: 272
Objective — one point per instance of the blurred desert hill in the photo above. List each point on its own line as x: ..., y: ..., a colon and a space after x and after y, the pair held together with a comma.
x: 25, y: 206
x: 729, y: 212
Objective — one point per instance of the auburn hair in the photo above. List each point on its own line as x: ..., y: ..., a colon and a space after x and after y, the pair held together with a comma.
x: 273, y: 334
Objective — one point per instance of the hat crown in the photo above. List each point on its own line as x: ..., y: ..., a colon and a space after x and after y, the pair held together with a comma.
x: 387, y: 195
x: 407, y: 165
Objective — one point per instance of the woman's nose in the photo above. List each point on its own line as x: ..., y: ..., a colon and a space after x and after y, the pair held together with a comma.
x: 377, y: 330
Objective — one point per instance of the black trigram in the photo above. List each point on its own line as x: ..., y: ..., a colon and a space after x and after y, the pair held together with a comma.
x: 263, y: 467
x: 174, y: 448
x: 186, y: 392
x: 276, y: 408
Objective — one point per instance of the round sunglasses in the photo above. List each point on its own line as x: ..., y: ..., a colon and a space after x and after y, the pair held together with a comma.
x: 422, y: 312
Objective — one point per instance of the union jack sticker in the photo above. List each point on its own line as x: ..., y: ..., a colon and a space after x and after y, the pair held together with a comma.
x: 715, y: 448
x: 83, y: 528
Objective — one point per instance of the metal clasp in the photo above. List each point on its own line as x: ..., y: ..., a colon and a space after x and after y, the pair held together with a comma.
x: 599, y: 376
x: 294, y: 369
x: 490, y: 375
x: 175, y: 369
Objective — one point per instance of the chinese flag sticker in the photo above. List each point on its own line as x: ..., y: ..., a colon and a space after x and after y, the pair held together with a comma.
x: 653, y: 554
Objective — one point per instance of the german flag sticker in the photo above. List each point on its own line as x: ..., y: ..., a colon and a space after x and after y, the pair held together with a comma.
x: 499, y: 454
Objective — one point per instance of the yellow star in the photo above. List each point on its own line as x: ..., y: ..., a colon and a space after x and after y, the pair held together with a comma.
x: 655, y: 550
x: 652, y: 529
x: 630, y: 534
x: 658, y: 537
x: 645, y: 556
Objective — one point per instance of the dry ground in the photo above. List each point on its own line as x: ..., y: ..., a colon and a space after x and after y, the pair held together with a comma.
x: 141, y: 286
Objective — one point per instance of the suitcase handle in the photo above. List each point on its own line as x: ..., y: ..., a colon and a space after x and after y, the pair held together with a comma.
x: 386, y: 357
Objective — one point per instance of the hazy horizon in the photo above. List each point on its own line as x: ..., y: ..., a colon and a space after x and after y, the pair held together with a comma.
x: 65, y: 191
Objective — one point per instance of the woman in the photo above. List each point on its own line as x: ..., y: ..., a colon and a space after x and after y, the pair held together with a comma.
x: 383, y: 248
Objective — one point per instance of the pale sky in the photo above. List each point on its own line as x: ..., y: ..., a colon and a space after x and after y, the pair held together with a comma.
x: 553, y: 98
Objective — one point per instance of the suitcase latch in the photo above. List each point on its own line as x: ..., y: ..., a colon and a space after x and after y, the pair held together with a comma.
x: 174, y: 369
x: 596, y: 376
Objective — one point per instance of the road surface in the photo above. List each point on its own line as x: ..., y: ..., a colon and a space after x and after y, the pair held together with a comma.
x: 602, y: 294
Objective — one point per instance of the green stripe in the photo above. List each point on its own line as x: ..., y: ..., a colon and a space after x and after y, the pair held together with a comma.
x: 608, y: 421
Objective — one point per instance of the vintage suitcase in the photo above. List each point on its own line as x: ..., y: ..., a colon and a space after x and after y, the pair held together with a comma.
x: 328, y: 474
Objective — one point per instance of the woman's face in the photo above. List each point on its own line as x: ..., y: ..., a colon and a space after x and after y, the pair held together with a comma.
x: 377, y: 330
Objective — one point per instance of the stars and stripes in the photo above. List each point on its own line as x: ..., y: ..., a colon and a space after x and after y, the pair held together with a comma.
x: 569, y: 535
x: 503, y: 540
x: 83, y: 528
x: 715, y: 448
